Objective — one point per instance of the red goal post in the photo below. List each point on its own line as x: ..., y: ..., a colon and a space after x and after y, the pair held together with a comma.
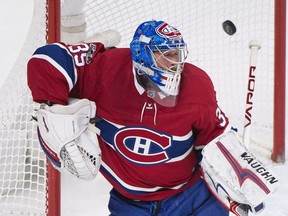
x: 29, y: 184
x: 53, y: 187
x: 278, y: 154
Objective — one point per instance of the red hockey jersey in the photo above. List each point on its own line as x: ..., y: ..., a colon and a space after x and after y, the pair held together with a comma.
x: 148, y: 150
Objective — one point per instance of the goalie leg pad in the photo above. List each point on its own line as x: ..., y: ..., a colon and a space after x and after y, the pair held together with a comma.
x: 234, y: 174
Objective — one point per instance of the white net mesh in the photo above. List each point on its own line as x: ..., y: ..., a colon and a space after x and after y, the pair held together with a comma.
x: 22, y: 163
x: 224, y: 57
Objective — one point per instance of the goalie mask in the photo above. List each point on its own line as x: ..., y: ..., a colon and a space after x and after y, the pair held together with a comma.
x: 158, y: 54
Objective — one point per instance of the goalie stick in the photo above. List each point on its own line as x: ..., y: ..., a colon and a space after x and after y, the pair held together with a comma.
x: 254, y: 47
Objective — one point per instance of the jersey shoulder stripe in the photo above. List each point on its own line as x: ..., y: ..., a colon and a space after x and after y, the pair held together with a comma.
x: 59, y: 57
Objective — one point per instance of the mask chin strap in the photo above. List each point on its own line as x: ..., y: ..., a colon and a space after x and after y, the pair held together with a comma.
x: 140, y: 69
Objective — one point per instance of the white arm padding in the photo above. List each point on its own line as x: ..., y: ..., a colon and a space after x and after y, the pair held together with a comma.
x: 68, y: 139
x: 232, y: 172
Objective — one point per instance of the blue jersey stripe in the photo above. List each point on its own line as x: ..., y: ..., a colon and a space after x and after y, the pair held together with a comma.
x: 132, y: 189
x: 61, y: 56
x: 119, y: 184
x: 179, y: 146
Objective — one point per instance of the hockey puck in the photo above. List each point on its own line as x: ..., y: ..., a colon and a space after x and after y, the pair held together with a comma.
x: 229, y: 27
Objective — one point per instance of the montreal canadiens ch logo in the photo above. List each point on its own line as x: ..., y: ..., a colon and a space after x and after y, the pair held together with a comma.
x: 168, y: 31
x: 142, y: 146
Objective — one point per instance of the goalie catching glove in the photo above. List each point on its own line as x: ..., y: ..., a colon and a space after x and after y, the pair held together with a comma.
x: 68, y: 139
x: 232, y: 173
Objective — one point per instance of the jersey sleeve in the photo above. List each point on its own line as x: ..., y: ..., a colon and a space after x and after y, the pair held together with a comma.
x: 211, y: 121
x: 55, y: 69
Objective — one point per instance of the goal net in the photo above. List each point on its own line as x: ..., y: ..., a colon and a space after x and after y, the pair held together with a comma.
x: 224, y: 56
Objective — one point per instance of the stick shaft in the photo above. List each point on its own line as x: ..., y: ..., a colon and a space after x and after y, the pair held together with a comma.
x: 254, y: 47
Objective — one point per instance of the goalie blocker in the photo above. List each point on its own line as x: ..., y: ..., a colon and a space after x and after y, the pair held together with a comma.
x: 233, y: 174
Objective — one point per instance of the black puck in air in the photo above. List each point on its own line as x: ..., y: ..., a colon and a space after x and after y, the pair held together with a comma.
x: 229, y: 27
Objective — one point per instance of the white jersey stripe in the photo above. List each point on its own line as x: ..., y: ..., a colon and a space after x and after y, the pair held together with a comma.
x: 58, y: 67
x: 75, y: 70
x: 134, y: 188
